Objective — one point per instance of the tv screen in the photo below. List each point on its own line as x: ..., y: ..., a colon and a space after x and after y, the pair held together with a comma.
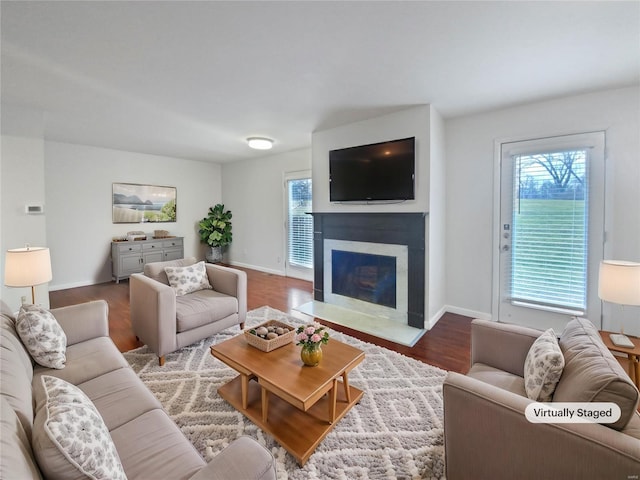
x: 376, y: 172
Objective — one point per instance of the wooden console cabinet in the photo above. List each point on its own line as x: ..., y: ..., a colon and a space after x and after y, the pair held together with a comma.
x: 131, y: 257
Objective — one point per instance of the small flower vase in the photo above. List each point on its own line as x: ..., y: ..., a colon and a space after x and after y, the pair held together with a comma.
x: 311, y: 354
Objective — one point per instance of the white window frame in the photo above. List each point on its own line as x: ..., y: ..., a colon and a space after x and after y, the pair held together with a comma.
x: 294, y: 271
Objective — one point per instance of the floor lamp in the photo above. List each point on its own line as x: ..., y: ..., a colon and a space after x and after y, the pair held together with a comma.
x: 27, y: 267
x: 619, y: 282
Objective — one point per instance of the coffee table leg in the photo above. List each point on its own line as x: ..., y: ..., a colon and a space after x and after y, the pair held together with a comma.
x: 265, y: 404
x: 244, y: 382
x: 345, y: 383
x: 333, y: 397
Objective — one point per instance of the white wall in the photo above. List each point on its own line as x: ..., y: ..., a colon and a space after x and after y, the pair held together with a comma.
x: 470, y: 189
x: 78, y: 196
x: 254, y: 192
x: 436, y: 258
x: 22, y: 182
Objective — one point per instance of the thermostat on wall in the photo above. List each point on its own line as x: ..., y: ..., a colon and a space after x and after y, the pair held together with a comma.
x: 34, y: 209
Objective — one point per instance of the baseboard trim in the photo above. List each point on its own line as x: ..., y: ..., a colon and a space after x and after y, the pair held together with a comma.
x: 258, y: 268
x: 65, y: 286
x: 468, y: 313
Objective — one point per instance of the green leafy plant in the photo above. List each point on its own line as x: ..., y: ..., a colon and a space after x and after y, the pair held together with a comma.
x: 215, y: 229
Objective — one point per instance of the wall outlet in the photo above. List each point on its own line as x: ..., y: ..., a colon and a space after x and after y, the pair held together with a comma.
x: 23, y: 299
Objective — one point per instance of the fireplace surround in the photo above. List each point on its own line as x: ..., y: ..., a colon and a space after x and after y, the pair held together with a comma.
x: 394, y: 229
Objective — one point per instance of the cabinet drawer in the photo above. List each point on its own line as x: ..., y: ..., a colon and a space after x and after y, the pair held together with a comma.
x: 152, y: 246
x: 129, y: 248
x: 175, y: 242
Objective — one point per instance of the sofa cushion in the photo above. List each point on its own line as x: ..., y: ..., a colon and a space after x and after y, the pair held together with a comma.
x: 120, y: 396
x: 152, y: 446
x: 191, y: 278
x: 70, y: 439
x: 87, y: 360
x: 203, y: 307
x: 16, y: 370
x: 498, y: 378
x: 17, y: 460
x: 543, y: 367
x: 156, y: 271
x: 592, y: 374
x: 42, y: 335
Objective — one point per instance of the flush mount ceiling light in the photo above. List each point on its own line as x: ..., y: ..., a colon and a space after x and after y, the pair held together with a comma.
x: 260, y: 143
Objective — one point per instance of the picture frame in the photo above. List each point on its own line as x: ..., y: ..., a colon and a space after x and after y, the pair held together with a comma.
x: 139, y: 203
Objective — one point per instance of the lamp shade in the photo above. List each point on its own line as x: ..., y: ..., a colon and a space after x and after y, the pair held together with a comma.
x: 619, y: 282
x: 26, y: 267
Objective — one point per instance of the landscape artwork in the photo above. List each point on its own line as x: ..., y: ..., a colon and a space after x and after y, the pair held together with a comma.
x: 134, y: 203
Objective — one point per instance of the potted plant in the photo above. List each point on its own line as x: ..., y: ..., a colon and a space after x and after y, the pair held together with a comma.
x: 215, y: 231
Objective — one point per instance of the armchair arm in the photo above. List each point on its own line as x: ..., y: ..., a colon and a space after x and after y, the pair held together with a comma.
x: 153, y: 313
x: 501, y: 345
x: 83, y: 321
x: 230, y: 281
x: 488, y: 436
x: 244, y: 458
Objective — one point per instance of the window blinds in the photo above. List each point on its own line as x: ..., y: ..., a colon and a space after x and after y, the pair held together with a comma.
x: 300, y: 231
x: 549, y: 231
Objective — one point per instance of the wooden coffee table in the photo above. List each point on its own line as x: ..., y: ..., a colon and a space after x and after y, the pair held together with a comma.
x: 296, y: 404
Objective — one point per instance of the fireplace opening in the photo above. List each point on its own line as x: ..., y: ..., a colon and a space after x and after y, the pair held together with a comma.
x: 364, y: 276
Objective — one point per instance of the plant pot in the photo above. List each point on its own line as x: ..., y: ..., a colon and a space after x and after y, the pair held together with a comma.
x: 214, y: 255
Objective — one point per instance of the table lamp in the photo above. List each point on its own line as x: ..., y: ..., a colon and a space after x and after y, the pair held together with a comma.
x: 27, y: 267
x: 619, y: 282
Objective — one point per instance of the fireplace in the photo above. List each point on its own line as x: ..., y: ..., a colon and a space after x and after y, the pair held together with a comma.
x: 373, y: 263
x: 364, y: 276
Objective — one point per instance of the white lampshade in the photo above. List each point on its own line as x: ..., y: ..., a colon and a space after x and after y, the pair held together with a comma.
x: 26, y: 267
x: 619, y: 282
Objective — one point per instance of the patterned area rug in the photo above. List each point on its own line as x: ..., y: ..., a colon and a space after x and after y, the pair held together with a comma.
x: 395, y: 432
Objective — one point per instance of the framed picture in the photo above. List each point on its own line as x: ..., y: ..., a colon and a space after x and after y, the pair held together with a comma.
x: 134, y: 203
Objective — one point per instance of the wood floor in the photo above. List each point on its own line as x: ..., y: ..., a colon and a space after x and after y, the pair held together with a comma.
x: 447, y: 345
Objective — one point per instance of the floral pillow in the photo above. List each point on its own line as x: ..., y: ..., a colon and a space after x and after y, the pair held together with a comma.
x: 188, y: 279
x: 42, y: 335
x: 70, y: 438
x: 543, y: 367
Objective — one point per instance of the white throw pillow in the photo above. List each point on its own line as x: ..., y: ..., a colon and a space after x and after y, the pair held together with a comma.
x: 188, y: 279
x: 70, y: 438
x: 543, y: 367
x: 42, y: 335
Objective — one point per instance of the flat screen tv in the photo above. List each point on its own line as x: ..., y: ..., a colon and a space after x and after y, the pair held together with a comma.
x: 376, y: 172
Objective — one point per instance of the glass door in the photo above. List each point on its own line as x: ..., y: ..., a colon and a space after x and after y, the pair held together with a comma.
x: 299, y: 226
x: 551, y: 230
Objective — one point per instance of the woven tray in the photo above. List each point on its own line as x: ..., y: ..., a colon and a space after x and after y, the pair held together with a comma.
x: 268, y: 345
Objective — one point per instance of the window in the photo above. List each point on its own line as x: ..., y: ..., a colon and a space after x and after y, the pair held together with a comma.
x: 300, y: 223
x: 549, y: 230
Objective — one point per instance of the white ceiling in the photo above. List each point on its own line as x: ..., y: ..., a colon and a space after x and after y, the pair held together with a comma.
x: 194, y: 79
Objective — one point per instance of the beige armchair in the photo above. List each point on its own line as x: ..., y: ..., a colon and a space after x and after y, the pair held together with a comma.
x: 166, y: 322
x: 487, y: 435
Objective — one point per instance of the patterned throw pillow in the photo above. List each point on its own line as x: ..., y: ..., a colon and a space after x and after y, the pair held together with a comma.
x: 188, y: 279
x: 42, y: 335
x: 71, y: 440
x: 543, y: 367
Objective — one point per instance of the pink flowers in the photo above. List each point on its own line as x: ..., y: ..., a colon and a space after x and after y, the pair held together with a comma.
x: 311, y: 334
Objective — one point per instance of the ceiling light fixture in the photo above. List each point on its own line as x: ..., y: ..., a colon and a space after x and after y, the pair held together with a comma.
x: 260, y: 143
